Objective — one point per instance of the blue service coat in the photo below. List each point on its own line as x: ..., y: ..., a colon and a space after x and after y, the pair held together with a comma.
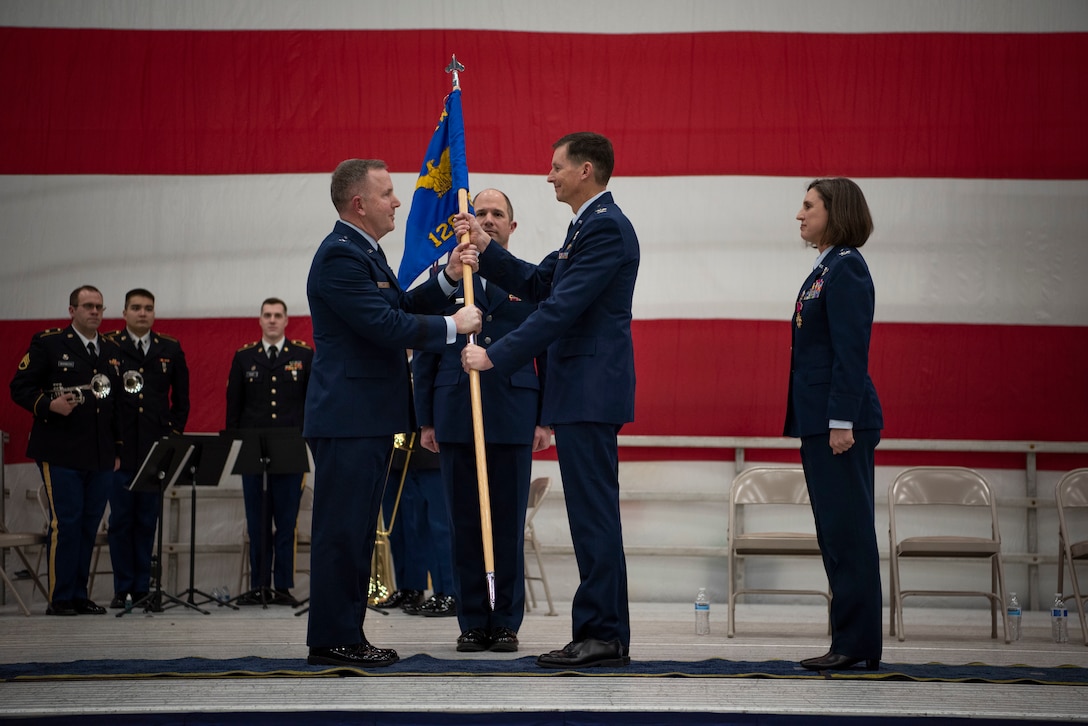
x: 362, y: 323
x: 583, y: 321
x: 829, y: 360
x: 510, y: 402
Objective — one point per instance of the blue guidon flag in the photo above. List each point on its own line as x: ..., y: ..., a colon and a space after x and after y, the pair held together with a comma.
x: 429, y: 232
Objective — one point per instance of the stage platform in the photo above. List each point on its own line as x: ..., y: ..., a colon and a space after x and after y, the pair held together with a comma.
x: 765, y: 632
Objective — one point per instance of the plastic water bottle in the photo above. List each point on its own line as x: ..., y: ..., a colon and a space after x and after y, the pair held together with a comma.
x: 128, y: 603
x: 1014, y: 613
x: 1059, y: 620
x: 702, y: 613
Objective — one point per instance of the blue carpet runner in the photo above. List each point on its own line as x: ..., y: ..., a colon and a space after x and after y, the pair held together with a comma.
x: 425, y: 665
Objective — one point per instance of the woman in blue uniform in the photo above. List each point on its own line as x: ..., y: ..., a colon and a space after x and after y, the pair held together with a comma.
x: 833, y: 408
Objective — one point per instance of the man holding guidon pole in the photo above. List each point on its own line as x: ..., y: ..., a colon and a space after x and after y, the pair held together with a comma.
x: 585, y: 291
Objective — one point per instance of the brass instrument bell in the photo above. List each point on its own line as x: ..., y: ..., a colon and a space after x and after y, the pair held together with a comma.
x: 382, y: 582
x: 133, y: 381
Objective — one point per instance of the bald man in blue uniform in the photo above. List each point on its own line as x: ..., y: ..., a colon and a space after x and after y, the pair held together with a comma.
x: 512, y: 431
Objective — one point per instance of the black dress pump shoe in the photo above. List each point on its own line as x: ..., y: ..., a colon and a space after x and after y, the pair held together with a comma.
x: 836, y: 662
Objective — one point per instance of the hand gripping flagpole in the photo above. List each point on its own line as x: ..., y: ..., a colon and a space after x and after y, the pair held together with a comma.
x: 477, y: 403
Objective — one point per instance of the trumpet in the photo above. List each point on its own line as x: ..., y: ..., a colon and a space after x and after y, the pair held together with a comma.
x: 99, y: 387
x: 133, y: 381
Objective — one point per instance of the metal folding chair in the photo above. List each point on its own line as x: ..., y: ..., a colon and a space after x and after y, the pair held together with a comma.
x: 538, y: 489
x: 1071, y: 497
x: 961, y: 499
x: 769, y: 494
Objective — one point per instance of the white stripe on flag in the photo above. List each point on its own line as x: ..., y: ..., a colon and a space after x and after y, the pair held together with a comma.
x: 561, y: 16
x: 944, y: 250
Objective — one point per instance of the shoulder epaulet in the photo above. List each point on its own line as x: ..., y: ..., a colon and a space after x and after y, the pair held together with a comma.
x: 301, y: 344
x: 50, y: 331
x: 111, y: 335
x: 247, y: 346
x: 164, y: 336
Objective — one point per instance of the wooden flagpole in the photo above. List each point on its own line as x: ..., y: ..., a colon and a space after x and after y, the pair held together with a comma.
x: 477, y: 402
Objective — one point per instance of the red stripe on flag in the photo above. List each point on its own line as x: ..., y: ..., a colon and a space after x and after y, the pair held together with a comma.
x: 779, y: 104
x: 729, y: 377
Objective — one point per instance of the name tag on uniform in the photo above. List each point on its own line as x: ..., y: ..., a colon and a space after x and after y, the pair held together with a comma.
x: 66, y: 364
x: 383, y: 285
x: 253, y: 374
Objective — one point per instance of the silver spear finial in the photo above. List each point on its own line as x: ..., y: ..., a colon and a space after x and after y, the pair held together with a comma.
x: 454, y: 67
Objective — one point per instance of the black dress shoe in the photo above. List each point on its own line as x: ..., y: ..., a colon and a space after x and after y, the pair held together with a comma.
x: 83, y: 606
x: 586, y: 653
x: 503, y: 640
x: 60, y: 607
x: 417, y: 608
x: 283, y: 596
x: 400, y: 599
x: 836, y: 662
x: 473, y: 641
x: 257, y: 597
x: 439, y: 606
x: 363, y: 655
x: 118, y: 601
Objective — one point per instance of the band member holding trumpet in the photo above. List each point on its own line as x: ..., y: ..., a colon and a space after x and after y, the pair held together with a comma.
x: 152, y: 403
x: 69, y: 379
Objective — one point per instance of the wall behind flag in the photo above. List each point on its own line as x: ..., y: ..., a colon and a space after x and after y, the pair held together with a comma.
x: 189, y: 150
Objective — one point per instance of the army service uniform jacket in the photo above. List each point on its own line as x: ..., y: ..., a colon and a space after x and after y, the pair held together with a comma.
x: 265, y: 394
x: 89, y: 438
x: 161, y: 407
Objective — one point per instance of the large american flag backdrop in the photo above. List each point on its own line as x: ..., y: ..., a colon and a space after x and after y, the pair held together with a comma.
x: 186, y: 147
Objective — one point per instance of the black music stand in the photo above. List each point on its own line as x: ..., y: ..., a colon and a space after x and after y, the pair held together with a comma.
x: 264, y: 452
x: 160, y: 469
x: 204, y: 468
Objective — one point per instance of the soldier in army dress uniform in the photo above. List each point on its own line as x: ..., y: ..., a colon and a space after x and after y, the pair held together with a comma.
x: 267, y: 389
x: 155, y: 365
x: 75, y: 439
